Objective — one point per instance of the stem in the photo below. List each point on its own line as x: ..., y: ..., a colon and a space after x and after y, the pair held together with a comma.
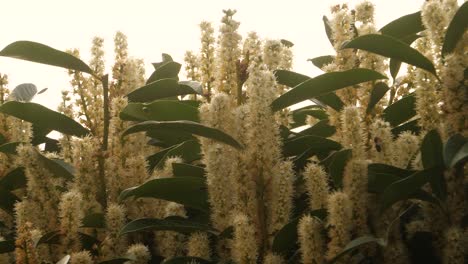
x: 102, y: 196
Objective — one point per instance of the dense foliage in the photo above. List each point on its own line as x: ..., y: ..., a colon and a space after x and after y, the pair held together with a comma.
x: 246, y: 161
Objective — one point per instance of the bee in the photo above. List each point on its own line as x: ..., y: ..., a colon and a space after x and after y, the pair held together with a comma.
x: 378, y: 144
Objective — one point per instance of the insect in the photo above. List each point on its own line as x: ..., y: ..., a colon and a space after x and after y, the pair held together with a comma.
x: 378, y: 144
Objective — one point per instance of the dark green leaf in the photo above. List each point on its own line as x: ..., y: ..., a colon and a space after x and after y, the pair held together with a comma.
x: 328, y: 30
x: 187, y: 126
x: 10, y: 148
x: 336, y: 165
x: 324, y: 84
x: 452, y: 146
x: 58, y: 168
x: 7, y: 200
x: 320, y: 129
x: 461, y: 155
x: 404, y: 26
x: 292, y: 79
x: 396, y: 64
x: 169, y: 137
x: 89, y: 242
x: 400, y: 111
x: 189, y: 191
x: 286, y: 238
x: 43, y: 117
x: 404, y: 188
x: 163, y: 88
x: 154, y: 159
x: 189, y: 151
x: 184, y: 170
x: 49, y: 238
x: 227, y: 233
x: 431, y: 150
x: 356, y: 243
x: 165, y: 59
x: 169, y: 70
x: 94, y: 220
x: 3, y: 140
x: 392, y: 48
x: 117, y: 261
x: 411, y: 126
x: 321, y: 61
x: 178, y: 224
x: 161, y: 110
x: 185, y: 260
x: 380, y: 176
x: 40, y: 53
x: 7, y: 246
x: 14, y: 179
x: 456, y: 29
x: 300, y: 144
x: 378, y: 92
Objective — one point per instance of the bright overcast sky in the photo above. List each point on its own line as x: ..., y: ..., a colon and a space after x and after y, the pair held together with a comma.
x: 154, y: 27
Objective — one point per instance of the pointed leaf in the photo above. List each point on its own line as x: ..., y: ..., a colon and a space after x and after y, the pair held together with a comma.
x: 336, y: 165
x: 380, y: 176
x: 396, y: 64
x: 40, y: 53
x: 461, y: 156
x: 456, y: 29
x: 400, y: 111
x: 184, y: 170
x: 404, y: 26
x: 300, y: 144
x: 320, y: 129
x: 14, y: 179
x: 411, y: 126
x: 160, y: 110
x: 452, y: 146
x: 356, y: 243
x: 163, y: 88
x: 321, y: 61
x: 52, y: 237
x: 57, y: 167
x: 187, y: 126
x: 392, y: 48
x: 189, y: 151
x: 43, y: 117
x: 178, y: 224
x: 7, y: 246
x: 189, y: 191
x: 378, y: 92
x: 10, y: 148
x: 431, y: 150
x: 168, y: 70
x: 328, y: 30
x: 324, y: 84
x: 7, y: 200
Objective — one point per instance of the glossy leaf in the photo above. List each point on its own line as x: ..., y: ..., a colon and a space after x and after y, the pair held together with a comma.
x: 178, y: 224
x: 43, y: 117
x: 168, y: 137
x: 400, y: 111
x: 411, y: 126
x: 300, y: 144
x: 380, y: 176
x: 392, y: 48
x: 320, y: 129
x: 52, y: 237
x: 336, y: 165
x: 189, y: 191
x: 14, y: 179
x: 451, y: 148
x: 378, y: 92
x: 461, y: 155
x: 456, y: 29
x: 10, y: 148
x: 431, y: 150
x: 7, y: 200
x: 321, y: 61
x: 40, y: 53
x: 187, y: 126
x: 159, y: 89
x: 356, y: 243
x: 184, y: 170
x: 168, y: 70
x: 57, y: 167
x: 160, y: 110
x: 324, y: 84
x: 189, y: 151
x: 404, y: 26
x: 404, y: 188
x: 394, y: 64
x: 287, y: 43
x: 7, y: 246
x: 328, y: 30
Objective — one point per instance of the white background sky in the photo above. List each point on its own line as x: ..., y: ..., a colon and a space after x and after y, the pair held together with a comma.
x: 155, y: 27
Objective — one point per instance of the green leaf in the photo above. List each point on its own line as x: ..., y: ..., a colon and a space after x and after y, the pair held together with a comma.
x: 396, y: 64
x: 378, y: 92
x: 431, y: 150
x: 186, y: 126
x: 380, y: 176
x: 324, y: 84
x: 392, y: 48
x: 404, y: 188
x: 321, y: 61
x: 7, y: 200
x: 52, y: 237
x: 356, y: 243
x: 94, y: 220
x: 320, y: 129
x: 40, y: 53
x: 336, y: 164
x: 57, y: 167
x: 189, y: 191
x: 14, y: 179
x: 461, y: 156
x: 43, y: 117
x: 400, y: 111
x: 177, y: 224
x: 159, y: 89
x: 328, y: 30
x: 411, y: 126
x: 286, y: 238
x: 292, y: 79
x: 169, y: 137
x: 185, y: 260
x: 451, y: 148
x: 456, y: 29
x: 117, y: 261
x: 89, y: 242
x: 404, y: 26
x: 169, y: 70
x: 287, y: 43
x: 161, y: 110
x: 300, y: 144
x: 10, y: 148
x: 184, y: 170
x: 189, y: 151
x: 7, y: 246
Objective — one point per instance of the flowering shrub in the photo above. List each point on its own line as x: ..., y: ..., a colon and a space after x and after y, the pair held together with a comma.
x: 370, y: 167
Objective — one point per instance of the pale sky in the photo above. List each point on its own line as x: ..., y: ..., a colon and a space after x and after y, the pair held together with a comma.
x: 155, y: 27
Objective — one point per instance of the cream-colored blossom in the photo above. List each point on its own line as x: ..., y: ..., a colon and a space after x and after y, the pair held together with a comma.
x: 71, y: 216
x: 317, y: 185
x: 339, y: 223
x: 191, y: 66
x: 272, y: 258
x: 272, y: 53
x: 139, y: 254
x: 198, y: 245
x: 170, y: 243
x: 454, y: 251
x: 365, y: 12
x: 114, y: 245
x: 355, y: 184
x: 244, y: 249
x: 352, y: 131
x: 82, y: 257
x: 207, y: 57
x: 405, y: 148
x: 311, y: 241
x: 382, y: 146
